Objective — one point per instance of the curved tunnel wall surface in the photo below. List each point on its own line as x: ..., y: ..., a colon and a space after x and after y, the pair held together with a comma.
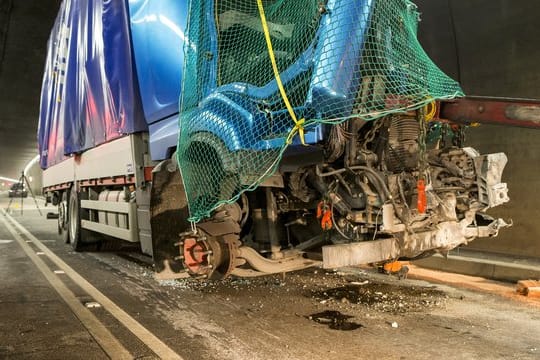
x: 491, y: 47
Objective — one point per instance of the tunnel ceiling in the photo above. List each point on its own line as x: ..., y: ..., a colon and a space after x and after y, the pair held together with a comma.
x: 489, y: 45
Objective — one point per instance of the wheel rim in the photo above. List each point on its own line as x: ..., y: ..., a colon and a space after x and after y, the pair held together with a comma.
x: 73, y: 218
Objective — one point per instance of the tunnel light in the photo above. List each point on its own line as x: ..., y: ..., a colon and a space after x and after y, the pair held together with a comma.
x: 9, y: 179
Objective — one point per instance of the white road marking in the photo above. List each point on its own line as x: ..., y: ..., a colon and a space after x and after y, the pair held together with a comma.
x: 112, y: 347
x: 153, y: 342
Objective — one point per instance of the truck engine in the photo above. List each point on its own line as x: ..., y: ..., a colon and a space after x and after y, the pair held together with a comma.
x: 379, y: 193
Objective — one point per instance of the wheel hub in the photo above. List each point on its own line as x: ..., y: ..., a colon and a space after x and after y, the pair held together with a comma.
x: 206, y: 256
x: 198, y: 256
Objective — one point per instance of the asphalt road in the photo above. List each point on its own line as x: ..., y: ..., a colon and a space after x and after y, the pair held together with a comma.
x: 58, y: 304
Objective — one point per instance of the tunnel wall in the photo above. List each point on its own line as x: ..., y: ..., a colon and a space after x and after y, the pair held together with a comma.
x: 489, y: 46
x: 35, y: 177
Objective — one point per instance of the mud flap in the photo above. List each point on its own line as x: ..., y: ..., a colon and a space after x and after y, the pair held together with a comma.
x: 169, y: 213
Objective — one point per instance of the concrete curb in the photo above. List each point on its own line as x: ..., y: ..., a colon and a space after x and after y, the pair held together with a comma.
x: 485, y: 265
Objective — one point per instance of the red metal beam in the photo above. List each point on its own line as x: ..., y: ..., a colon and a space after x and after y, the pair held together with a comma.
x: 497, y: 111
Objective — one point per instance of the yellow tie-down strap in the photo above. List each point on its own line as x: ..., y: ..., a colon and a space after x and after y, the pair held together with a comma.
x: 298, y: 124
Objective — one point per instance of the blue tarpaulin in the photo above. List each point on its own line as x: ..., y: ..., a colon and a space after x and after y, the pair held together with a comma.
x: 89, y: 93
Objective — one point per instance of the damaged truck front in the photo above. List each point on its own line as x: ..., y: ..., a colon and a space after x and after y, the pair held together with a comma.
x: 254, y: 137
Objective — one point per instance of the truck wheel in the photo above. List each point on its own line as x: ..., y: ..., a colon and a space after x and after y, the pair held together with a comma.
x: 63, y: 218
x: 169, y: 213
x: 74, y: 220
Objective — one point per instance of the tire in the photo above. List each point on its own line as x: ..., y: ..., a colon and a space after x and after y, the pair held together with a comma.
x: 74, y: 220
x: 79, y: 238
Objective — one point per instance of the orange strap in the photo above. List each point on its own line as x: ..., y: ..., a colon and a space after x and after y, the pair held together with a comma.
x: 421, y: 203
x: 324, y: 212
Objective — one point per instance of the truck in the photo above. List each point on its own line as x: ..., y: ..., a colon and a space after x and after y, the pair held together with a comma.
x: 245, y: 138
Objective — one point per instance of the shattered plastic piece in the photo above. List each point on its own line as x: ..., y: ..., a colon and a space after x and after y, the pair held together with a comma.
x: 59, y: 271
x: 360, y: 283
x: 92, y: 304
x: 395, y: 325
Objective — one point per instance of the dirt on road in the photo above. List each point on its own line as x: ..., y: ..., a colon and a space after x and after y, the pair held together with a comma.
x: 352, y: 314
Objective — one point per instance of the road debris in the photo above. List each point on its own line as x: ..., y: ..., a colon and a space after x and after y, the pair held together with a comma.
x: 92, y: 305
x: 382, y: 297
x: 359, y: 283
x: 529, y: 288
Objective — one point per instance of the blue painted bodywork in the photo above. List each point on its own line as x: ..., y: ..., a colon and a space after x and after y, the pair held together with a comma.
x: 157, y: 30
x: 341, y: 33
x: 163, y: 137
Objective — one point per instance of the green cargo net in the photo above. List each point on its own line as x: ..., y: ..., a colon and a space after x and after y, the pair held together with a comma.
x: 261, y: 76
